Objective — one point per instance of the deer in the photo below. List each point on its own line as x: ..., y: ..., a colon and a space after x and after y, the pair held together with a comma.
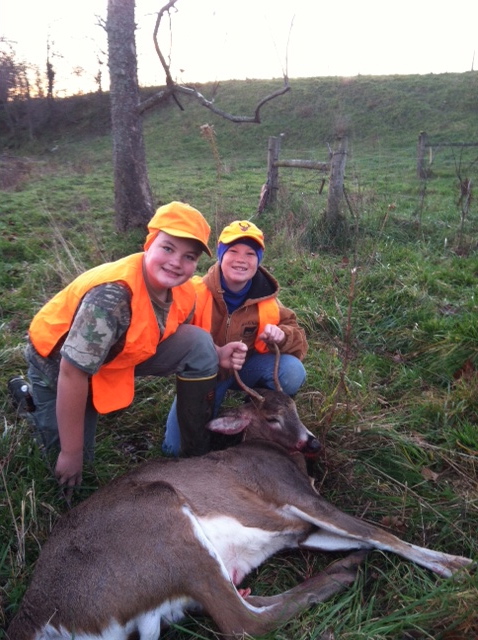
x: 178, y: 536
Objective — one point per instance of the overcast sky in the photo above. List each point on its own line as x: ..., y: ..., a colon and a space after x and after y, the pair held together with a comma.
x: 221, y: 39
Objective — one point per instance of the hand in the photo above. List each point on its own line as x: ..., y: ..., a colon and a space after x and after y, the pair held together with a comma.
x: 68, y: 471
x: 272, y: 334
x: 232, y: 355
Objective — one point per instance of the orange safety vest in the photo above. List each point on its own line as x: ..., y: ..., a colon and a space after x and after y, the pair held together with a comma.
x: 268, y: 311
x: 113, y: 384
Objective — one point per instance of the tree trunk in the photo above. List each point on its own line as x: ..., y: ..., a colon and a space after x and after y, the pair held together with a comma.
x: 133, y: 197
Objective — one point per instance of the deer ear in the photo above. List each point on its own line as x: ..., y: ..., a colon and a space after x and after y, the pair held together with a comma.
x: 229, y: 423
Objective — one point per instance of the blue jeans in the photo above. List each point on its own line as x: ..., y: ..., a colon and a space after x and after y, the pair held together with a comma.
x: 258, y: 371
x: 43, y: 419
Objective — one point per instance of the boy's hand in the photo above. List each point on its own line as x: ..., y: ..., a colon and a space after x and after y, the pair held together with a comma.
x: 69, y: 471
x: 272, y: 334
x: 232, y: 355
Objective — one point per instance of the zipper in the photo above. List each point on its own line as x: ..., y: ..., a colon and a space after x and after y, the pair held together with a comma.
x: 228, y: 324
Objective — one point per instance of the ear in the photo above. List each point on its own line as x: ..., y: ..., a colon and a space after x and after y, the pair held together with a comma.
x: 230, y: 423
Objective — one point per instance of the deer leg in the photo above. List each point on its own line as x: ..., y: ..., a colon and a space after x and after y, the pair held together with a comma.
x: 325, y: 584
x: 338, y: 531
x: 443, y: 564
x: 256, y: 615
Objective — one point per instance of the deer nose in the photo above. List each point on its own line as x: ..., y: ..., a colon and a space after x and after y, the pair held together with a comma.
x: 312, y: 446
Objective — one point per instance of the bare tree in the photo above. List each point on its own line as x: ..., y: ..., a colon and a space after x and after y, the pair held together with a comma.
x: 133, y: 198
x: 14, y: 90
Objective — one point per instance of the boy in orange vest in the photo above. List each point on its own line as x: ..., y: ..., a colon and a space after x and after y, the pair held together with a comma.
x: 238, y: 302
x: 132, y: 317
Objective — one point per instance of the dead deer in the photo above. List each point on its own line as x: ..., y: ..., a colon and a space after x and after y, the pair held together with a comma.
x: 173, y: 536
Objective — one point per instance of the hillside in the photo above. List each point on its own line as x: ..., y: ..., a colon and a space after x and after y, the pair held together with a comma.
x: 393, y: 108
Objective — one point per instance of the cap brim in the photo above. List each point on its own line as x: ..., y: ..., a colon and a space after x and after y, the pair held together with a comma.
x: 185, y: 234
x: 239, y: 236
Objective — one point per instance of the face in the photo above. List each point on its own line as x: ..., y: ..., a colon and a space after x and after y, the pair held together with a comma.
x: 170, y: 261
x: 239, y: 264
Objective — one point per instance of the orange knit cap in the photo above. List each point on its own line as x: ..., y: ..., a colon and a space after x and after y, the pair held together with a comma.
x: 241, y: 229
x: 180, y: 220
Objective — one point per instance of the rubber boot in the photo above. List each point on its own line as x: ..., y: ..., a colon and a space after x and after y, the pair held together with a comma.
x: 195, y: 404
x: 20, y: 393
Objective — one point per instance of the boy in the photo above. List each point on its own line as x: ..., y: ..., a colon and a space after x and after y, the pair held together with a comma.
x: 132, y: 317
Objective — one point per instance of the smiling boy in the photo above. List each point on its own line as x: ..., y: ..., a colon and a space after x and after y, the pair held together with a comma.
x: 238, y: 303
x: 132, y: 317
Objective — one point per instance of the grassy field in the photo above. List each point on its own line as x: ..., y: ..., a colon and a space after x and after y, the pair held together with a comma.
x: 391, y: 320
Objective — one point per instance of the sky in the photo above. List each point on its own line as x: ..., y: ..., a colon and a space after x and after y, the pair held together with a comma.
x: 237, y: 39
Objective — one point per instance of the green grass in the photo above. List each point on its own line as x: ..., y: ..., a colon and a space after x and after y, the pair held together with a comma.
x: 393, y: 359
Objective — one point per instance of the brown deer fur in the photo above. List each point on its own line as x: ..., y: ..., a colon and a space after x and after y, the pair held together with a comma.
x: 178, y: 535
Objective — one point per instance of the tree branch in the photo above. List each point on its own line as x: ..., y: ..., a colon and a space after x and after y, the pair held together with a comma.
x: 164, y: 64
x: 163, y: 95
x: 173, y: 89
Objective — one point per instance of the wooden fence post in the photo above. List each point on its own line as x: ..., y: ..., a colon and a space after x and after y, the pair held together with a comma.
x: 333, y: 216
x: 271, y: 187
x: 273, y: 151
x: 422, y: 171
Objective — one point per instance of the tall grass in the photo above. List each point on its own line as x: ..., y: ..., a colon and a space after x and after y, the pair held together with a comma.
x: 391, y: 323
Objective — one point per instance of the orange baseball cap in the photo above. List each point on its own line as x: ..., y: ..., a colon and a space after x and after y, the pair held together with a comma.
x: 180, y: 220
x: 241, y: 229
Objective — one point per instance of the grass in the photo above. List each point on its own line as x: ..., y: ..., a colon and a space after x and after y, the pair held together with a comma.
x: 390, y: 319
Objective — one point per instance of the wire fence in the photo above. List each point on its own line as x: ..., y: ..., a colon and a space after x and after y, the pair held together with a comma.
x: 386, y: 180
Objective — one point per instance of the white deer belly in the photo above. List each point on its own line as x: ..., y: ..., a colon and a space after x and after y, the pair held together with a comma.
x: 241, y: 548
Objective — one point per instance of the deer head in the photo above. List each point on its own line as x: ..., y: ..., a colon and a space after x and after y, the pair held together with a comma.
x: 270, y: 415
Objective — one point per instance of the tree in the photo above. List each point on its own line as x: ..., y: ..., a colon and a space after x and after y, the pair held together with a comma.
x: 14, y: 89
x: 133, y: 198
x: 50, y: 71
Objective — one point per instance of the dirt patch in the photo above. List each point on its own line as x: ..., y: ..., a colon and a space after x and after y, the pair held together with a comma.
x: 14, y: 172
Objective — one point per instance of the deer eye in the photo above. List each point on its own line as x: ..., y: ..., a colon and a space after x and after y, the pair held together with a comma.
x: 274, y: 422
